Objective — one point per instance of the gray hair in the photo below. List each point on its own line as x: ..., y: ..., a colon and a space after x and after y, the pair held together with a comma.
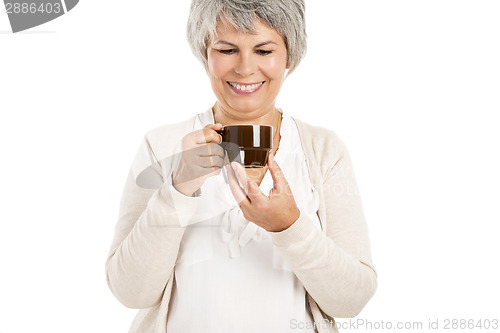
x: 287, y: 17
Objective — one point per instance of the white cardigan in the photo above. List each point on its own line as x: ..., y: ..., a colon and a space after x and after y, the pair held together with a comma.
x: 334, y: 265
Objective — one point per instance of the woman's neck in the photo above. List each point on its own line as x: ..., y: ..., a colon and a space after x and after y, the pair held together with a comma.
x: 226, y: 118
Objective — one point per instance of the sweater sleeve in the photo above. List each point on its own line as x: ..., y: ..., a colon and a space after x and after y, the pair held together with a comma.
x: 334, y: 266
x: 147, y: 238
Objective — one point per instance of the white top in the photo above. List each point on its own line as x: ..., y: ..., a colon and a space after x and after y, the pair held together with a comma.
x: 229, y: 277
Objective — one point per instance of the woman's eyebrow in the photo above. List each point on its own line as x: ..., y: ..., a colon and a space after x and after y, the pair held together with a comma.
x: 265, y: 43
x: 224, y: 42
x: 233, y: 45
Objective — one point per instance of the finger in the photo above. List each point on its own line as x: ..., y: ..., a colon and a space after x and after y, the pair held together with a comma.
x: 215, y: 127
x: 199, y: 151
x: 201, y: 172
x: 238, y: 193
x: 241, y: 175
x: 250, y: 187
x: 205, y: 150
x: 206, y: 135
x: 215, y: 172
x: 195, y: 173
x: 211, y: 162
x: 212, y: 149
x: 254, y: 193
x: 276, y: 172
x: 212, y: 156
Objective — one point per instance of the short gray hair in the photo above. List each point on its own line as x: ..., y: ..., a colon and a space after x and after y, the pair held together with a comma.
x: 287, y: 17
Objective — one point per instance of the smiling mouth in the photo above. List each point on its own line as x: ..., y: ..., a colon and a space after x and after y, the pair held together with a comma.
x: 241, y: 88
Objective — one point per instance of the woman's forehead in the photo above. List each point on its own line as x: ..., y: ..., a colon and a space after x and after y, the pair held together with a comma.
x: 228, y: 32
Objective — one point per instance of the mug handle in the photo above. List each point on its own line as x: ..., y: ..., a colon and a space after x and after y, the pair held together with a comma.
x: 221, y: 133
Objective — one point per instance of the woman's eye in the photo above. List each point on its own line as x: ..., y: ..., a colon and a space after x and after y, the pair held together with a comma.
x: 230, y: 51
x: 264, y: 52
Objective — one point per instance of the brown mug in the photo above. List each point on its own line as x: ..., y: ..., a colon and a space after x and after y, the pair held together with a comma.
x: 247, y: 144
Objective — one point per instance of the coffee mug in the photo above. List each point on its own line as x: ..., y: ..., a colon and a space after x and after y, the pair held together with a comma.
x: 247, y: 144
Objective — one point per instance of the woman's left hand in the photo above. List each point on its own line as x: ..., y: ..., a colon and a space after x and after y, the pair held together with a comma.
x: 275, y: 212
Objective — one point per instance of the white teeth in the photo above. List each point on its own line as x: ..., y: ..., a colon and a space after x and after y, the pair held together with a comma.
x: 246, y: 87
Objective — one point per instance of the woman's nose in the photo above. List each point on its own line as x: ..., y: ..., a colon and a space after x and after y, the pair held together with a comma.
x: 246, y: 65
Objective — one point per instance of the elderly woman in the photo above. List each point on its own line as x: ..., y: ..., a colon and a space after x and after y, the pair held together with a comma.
x: 202, y: 245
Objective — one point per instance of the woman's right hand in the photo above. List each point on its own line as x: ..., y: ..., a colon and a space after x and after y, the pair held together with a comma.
x: 202, y: 157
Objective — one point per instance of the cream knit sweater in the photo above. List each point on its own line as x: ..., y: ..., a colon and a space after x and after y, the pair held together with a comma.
x: 334, y: 265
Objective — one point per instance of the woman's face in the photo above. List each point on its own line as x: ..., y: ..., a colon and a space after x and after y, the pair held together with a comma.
x: 246, y: 70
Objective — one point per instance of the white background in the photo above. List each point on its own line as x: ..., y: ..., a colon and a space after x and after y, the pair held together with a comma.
x: 412, y: 87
